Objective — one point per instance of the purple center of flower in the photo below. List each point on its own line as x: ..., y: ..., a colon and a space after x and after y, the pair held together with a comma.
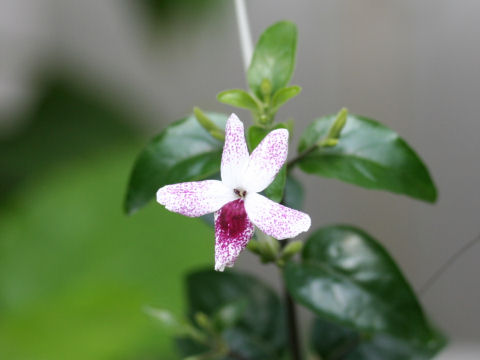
x: 233, y: 218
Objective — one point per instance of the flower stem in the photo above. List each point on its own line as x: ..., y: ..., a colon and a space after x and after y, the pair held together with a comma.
x: 293, y: 339
x: 291, y: 164
x: 292, y: 322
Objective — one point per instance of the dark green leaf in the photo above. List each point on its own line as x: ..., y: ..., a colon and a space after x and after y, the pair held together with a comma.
x: 285, y: 94
x: 294, y: 194
x: 229, y: 314
x: 273, y: 58
x: 184, y: 151
x: 259, y: 332
x: 369, y: 155
x: 255, y: 135
x: 347, y: 277
x: 239, y: 98
x: 333, y: 341
x: 330, y: 340
x: 275, y: 190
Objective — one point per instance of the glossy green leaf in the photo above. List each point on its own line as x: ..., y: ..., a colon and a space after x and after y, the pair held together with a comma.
x: 369, y: 155
x: 259, y: 331
x: 285, y: 94
x: 334, y: 341
x: 273, y: 58
x: 238, y: 98
x: 294, y: 193
x: 183, y: 151
x: 255, y: 135
x: 347, y: 277
x: 275, y: 190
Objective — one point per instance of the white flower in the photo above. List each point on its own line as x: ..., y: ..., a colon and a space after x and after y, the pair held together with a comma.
x: 235, y: 199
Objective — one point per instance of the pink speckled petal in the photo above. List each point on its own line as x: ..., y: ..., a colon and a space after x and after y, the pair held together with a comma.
x: 266, y: 160
x: 195, y: 198
x: 233, y: 230
x: 274, y: 219
x: 235, y: 153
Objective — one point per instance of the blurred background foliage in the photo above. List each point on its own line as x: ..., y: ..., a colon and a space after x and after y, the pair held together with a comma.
x: 164, y: 12
x: 75, y: 273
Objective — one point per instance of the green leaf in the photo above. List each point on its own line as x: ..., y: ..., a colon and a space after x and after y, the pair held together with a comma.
x: 259, y: 331
x: 285, y: 94
x: 238, y: 98
x: 275, y: 190
x: 229, y: 314
x: 294, y: 194
x: 333, y: 341
x: 183, y: 151
x: 255, y: 135
x: 273, y: 58
x: 368, y: 155
x: 347, y: 277
x: 88, y: 279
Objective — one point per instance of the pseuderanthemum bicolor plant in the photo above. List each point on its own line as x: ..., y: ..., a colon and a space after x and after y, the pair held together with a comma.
x: 235, y: 200
x: 363, y: 306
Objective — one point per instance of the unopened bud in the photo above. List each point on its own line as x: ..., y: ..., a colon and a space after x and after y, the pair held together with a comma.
x: 204, y: 120
x: 254, y: 246
x: 218, y: 134
x: 203, y: 320
x: 266, y: 88
x: 270, y: 249
x: 291, y: 250
x: 338, y: 124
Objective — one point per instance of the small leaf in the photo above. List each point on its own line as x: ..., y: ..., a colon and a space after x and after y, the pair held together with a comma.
x: 368, y: 154
x: 348, y: 278
x: 285, y: 94
x: 274, y: 58
x: 238, y: 98
x: 255, y: 135
x: 183, y: 151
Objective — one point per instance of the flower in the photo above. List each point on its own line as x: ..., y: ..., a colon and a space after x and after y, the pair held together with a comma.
x: 235, y: 200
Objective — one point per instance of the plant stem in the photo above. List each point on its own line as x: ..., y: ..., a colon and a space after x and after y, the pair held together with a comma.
x: 247, y: 51
x: 300, y: 156
x: 244, y: 32
x: 292, y: 322
x: 293, y: 339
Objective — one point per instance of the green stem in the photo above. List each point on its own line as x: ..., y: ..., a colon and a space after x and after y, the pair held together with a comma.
x: 291, y: 164
x: 292, y: 322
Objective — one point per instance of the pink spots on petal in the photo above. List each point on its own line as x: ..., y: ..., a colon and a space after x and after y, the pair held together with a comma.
x: 266, y: 160
x: 195, y: 198
x: 274, y: 219
x: 233, y: 230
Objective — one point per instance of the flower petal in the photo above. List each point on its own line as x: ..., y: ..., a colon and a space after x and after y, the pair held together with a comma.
x: 195, y: 198
x: 235, y: 153
x: 233, y: 230
x: 274, y: 219
x: 266, y: 160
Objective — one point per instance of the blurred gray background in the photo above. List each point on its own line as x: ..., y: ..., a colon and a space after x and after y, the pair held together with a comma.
x: 411, y: 64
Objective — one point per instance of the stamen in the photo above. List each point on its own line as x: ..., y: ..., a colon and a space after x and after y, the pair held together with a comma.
x: 239, y: 192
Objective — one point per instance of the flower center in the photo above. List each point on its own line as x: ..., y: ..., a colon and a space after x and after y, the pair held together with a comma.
x: 240, y: 192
